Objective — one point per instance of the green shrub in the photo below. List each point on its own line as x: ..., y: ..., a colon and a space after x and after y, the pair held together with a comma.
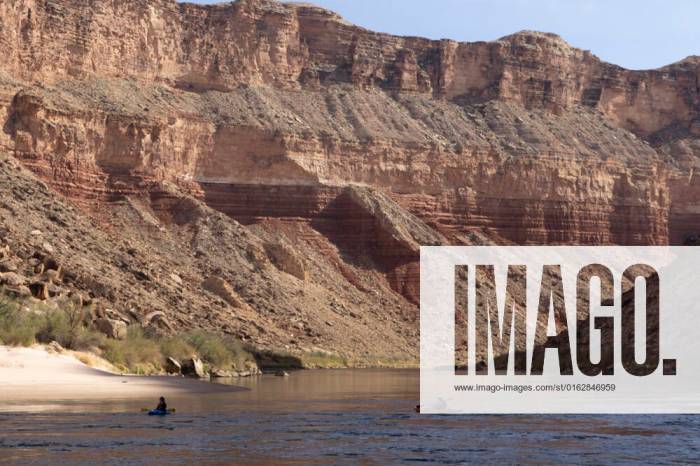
x: 137, y: 353
x: 54, y: 327
x: 210, y: 348
x: 17, y: 327
x: 67, y: 326
x: 176, y: 348
x: 84, y: 339
x: 21, y: 334
x: 113, y: 351
x: 318, y: 359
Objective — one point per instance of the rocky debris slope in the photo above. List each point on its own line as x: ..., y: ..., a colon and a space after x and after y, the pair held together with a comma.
x: 275, y: 160
x: 171, y: 263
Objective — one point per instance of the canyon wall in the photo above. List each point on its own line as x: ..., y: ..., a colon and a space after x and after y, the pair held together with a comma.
x: 263, y: 42
x: 281, y: 116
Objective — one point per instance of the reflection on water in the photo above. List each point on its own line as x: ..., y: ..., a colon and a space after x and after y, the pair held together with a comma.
x: 331, y: 417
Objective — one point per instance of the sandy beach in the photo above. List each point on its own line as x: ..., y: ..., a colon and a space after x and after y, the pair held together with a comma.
x: 37, y: 374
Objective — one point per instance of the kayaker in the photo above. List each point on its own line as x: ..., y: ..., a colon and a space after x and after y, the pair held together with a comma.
x: 162, y: 405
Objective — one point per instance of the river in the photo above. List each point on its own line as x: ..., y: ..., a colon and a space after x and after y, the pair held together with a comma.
x: 330, y: 417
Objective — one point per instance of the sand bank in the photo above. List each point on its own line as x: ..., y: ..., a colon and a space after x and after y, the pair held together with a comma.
x: 38, y: 374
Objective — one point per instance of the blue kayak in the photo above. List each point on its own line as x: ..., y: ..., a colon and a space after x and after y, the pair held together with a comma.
x: 158, y: 412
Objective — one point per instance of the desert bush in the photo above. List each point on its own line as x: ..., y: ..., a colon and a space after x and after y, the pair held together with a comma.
x: 176, y: 347
x: 319, y: 359
x: 67, y: 326
x: 84, y: 339
x: 54, y: 327
x: 17, y: 327
x: 219, y: 350
x: 137, y: 353
x: 22, y: 335
x: 211, y: 348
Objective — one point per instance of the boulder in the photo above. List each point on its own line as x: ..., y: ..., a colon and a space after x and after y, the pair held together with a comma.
x: 152, y: 316
x: 8, y: 266
x: 33, y: 261
x: 55, y: 290
x: 193, y: 367
x: 156, y: 319
x: 172, y: 366
x: 38, y: 255
x: 250, y: 372
x: 40, y: 290
x: 12, y: 279
x: 142, y: 275
x: 134, y: 314
x: 51, y: 276
x: 252, y: 368
x: 282, y: 374
x: 256, y: 255
x: 286, y: 260
x: 112, y: 328
x: 54, y: 347
x: 51, y: 264
x: 223, y: 374
x: 19, y: 291
x: 223, y: 290
x: 176, y: 279
x: 68, y: 277
x: 116, y: 315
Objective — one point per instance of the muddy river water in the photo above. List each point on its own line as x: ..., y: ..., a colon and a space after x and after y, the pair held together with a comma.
x: 329, y: 417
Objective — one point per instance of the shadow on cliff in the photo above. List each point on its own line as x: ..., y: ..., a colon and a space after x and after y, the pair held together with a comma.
x: 364, y: 243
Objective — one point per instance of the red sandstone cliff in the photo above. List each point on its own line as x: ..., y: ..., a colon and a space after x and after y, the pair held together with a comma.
x: 322, y: 135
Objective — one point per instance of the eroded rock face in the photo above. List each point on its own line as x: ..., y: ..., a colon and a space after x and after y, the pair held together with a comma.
x: 264, y: 94
x: 351, y: 146
x: 256, y: 42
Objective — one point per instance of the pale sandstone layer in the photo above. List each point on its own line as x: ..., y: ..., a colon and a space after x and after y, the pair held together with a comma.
x: 145, y: 112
